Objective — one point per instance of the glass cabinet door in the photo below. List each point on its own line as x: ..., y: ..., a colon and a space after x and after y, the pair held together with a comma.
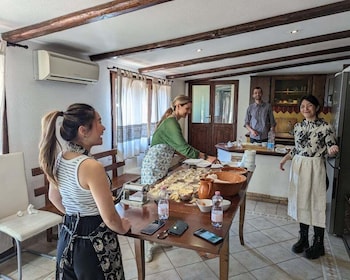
x: 224, y: 103
x: 201, y: 104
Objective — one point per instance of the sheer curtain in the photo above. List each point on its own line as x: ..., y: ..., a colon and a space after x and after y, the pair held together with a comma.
x: 3, y: 120
x: 132, y: 109
x: 161, y: 99
x: 137, y: 110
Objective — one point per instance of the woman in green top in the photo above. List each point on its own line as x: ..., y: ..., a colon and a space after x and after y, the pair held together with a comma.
x: 168, y: 139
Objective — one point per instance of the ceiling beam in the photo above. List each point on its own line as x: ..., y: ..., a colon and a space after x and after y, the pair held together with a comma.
x: 297, y: 16
x: 343, y: 57
x: 260, y: 62
x: 273, y: 47
x: 96, y: 13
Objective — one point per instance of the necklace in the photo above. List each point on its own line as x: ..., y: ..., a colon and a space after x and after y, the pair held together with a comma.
x: 76, y: 148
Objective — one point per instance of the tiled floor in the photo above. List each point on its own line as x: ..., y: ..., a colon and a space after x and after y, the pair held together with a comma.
x: 268, y: 233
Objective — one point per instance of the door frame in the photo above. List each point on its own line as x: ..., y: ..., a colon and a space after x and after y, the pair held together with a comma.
x: 210, y: 138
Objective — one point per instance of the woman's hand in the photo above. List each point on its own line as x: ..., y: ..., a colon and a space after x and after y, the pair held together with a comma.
x: 333, y: 150
x: 212, y: 159
x: 284, y: 160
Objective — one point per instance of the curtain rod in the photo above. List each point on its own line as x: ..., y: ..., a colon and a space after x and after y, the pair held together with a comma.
x: 9, y: 44
x: 135, y: 73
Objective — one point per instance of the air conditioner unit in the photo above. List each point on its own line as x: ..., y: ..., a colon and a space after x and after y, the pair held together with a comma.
x: 59, y: 67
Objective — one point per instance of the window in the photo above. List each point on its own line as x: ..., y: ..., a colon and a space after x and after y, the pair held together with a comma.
x: 138, y: 103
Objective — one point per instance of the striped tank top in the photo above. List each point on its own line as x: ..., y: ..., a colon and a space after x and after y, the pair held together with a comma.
x: 75, y: 198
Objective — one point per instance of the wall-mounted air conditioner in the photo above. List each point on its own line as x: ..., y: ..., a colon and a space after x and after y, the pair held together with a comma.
x: 59, y: 67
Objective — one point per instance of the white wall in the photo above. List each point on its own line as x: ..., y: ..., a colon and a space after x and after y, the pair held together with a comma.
x: 28, y: 100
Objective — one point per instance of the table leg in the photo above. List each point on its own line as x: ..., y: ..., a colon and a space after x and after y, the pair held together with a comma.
x: 140, y: 258
x: 224, y: 258
x: 241, y: 219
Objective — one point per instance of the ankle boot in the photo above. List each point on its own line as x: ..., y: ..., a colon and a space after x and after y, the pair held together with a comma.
x: 303, y: 242
x: 317, y: 248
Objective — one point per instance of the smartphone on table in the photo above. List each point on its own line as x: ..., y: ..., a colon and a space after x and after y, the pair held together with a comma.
x: 208, y: 236
x: 153, y: 227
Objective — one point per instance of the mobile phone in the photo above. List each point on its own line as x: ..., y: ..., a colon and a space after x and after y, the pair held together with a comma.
x: 153, y: 227
x: 208, y: 236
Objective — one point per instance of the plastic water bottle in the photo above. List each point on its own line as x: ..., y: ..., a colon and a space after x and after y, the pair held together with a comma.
x: 163, y: 204
x: 271, y: 140
x: 217, y: 212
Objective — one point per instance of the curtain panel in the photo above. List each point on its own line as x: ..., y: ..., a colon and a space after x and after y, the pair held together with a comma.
x: 138, y: 108
x: 4, y: 147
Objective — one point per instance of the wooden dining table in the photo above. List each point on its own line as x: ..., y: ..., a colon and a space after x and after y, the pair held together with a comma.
x: 140, y: 217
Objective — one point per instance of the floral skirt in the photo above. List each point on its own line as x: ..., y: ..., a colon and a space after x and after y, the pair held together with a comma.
x: 156, y: 163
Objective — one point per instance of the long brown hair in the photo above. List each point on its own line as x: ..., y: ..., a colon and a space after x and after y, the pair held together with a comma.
x: 76, y: 115
x: 178, y: 100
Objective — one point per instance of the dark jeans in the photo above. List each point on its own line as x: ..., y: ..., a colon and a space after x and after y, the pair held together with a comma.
x: 252, y: 140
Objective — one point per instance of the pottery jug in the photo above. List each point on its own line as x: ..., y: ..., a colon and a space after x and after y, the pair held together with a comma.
x: 205, y: 189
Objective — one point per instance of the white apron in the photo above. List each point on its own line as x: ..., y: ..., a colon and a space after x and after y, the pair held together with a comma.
x: 307, y: 191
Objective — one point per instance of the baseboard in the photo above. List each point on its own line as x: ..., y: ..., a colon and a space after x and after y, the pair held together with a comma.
x: 267, y: 198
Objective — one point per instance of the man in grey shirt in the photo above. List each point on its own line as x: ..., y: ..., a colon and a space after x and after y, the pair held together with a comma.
x: 259, y: 118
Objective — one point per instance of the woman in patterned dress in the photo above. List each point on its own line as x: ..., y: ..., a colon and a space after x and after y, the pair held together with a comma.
x: 314, y: 139
x: 88, y: 246
x: 166, y: 140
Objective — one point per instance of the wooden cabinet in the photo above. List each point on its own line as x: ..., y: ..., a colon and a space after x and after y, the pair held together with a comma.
x: 288, y: 89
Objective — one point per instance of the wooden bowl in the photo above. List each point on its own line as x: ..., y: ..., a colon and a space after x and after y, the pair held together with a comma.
x: 232, y: 185
x: 238, y: 170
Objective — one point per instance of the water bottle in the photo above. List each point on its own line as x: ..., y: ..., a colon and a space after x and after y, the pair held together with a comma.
x: 217, y: 212
x: 163, y: 204
x: 271, y: 140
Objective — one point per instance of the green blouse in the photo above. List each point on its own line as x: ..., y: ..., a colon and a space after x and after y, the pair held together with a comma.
x: 169, y: 132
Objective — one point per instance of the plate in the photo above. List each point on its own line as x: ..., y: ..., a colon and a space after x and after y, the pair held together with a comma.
x: 192, y: 161
x: 216, y: 165
x: 281, y: 150
x: 203, y: 163
x: 197, y: 162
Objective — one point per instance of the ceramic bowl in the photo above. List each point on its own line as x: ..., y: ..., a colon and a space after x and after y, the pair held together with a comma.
x: 238, y: 170
x: 228, y: 183
x: 204, y: 204
x: 226, y: 204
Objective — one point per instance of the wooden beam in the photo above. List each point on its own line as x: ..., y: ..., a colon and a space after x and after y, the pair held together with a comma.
x: 260, y: 62
x: 271, y: 68
x: 96, y: 13
x: 273, y: 47
x: 297, y: 16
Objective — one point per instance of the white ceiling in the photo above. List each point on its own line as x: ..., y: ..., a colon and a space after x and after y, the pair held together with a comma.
x: 179, y: 18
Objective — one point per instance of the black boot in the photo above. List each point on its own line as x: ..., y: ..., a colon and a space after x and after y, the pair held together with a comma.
x: 317, y: 248
x: 303, y: 242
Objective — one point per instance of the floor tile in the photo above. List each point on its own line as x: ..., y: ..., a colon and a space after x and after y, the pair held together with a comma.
x: 268, y: 234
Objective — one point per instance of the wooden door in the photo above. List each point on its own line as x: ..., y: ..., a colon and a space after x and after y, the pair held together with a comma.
x: 214, y: 114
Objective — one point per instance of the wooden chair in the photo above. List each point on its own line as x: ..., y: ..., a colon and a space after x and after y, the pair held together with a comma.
x: 17, y: 219
x: 44, y: 190
x: 109, y: 160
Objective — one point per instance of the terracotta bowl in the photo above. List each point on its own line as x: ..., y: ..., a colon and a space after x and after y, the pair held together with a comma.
x: 232, y: 185
x: 238, y: 170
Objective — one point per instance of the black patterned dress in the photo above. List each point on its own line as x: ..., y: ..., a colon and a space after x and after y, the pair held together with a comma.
x: 307, y: 188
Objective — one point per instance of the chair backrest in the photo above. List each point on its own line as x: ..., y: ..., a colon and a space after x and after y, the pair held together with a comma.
x: 13, y: 184
x: 109, y: 160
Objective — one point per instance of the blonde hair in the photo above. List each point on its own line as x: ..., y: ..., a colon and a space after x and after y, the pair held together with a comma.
x: 178, y: 100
